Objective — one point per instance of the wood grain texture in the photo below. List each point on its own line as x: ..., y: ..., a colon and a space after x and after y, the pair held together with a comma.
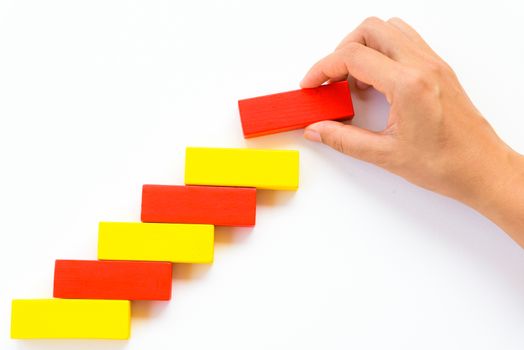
x: 124, y: 280
x: 295, y: 109
x: 224, y: 206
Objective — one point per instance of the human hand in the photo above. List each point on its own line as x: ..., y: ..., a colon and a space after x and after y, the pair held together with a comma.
x: 435, y: 137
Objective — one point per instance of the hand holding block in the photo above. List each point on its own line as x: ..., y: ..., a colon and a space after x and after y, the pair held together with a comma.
x: 178, y: 243
x: 124, y: 280
x: 70, y: 318
x: 264, y: 169
x: 295, y: 109
x: 224, y: 206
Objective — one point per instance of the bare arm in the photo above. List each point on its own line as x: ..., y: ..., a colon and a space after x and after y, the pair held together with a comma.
x: 435, y: 137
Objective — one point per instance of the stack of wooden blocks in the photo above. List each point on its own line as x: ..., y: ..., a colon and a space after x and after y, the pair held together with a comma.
x: 92, y: 299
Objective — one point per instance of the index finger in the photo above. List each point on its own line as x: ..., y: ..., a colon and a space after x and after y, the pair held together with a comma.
x: 363, y: 63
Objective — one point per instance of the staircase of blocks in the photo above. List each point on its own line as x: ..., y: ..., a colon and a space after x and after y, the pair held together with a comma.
x: 92, y: 298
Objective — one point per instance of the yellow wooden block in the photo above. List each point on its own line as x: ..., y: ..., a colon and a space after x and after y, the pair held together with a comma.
x: 70, y: 318
x: 264, y: 169
x: 180, y: 243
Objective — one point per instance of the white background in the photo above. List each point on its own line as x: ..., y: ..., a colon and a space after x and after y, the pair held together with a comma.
x: 99, y: 97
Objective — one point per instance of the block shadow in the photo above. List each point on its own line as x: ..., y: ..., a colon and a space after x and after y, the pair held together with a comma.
x: 68, y: 344
x: 186, y: 272
x: 224, y: 236
x: 268, y: 198
x: 231, y: 235
x: 146, y: 309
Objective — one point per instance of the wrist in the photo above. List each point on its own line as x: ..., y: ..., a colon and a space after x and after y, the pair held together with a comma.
x: 499, y: 193
x: 493, y: 179
x: 484, y: 174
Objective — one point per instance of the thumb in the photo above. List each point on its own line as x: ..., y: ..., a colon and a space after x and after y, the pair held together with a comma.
x: 356, y: 142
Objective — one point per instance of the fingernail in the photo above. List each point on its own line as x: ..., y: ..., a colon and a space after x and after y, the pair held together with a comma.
x: 312, y: 135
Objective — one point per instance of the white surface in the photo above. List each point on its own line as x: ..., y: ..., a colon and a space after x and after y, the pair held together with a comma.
x: 99, y: 97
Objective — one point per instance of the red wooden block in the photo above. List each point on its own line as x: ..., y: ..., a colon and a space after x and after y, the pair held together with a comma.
x: 124, y: 280
x: 295, y: 109
x: 222, y: 206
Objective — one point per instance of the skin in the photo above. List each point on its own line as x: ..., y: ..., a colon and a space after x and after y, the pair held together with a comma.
x: 435, y: 137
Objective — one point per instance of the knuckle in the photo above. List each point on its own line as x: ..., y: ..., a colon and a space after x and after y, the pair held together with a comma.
x: 419, y: 80
x: 338, y: 143
x: 336, y: 140
x: 395, y: 20
x: 371, y: 21
x: 437, y: 68
x: 429, y: 78
x: 352, y: 49
x: 369, y: 24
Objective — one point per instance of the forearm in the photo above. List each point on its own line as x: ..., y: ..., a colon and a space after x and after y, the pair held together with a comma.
x: 500, y: 194
x: 435, y: 137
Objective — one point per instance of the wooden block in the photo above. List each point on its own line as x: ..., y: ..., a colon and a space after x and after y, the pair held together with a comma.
x: 295, y: 109
x: 224, y: 206
x: 124, y: 280
x: 70, y: 318
x: 178, y: 243
x: 264, y: 169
